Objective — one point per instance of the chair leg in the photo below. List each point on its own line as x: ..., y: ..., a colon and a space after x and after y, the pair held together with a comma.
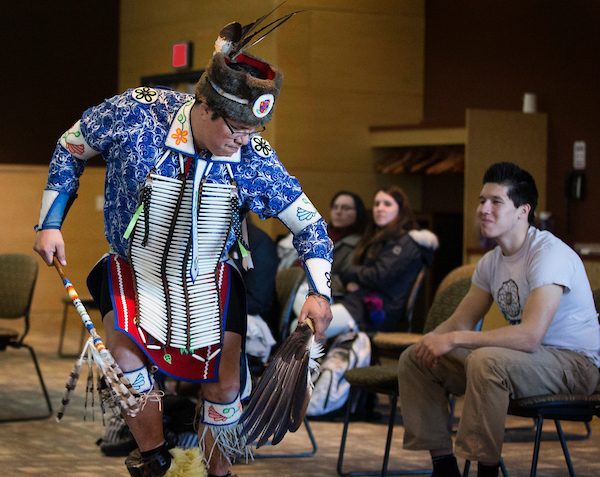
x: 82, y: 335
x: 340, y: 462
x: 467, y: 468
x: 63, y: 330
x: 452, y: 416
x: 310, y: 453
x: 390, y: 433
x: 388, y: 445
x: 311, y: 436
x: 588, y: 430
x: 44, y: 390
x: 503, y: 468
x: 539, y: 423
x: 39, y: 373
x: 565, y: 448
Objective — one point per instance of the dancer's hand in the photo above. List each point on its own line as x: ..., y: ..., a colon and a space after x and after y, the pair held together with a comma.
x: 49, y: 243
x: 318, y: 309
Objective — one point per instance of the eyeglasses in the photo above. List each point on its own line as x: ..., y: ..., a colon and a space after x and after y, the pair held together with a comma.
x: 237, y: 133
x: 343, y: 207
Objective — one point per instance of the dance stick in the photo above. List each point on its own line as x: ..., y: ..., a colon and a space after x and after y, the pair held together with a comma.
x: 126, y: 395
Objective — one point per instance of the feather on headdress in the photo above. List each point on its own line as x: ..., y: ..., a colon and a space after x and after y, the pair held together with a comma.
x: 279, y: 402
x: 236, y: 84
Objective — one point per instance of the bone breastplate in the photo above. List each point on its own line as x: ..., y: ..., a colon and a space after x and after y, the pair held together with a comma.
x: 176, y: 307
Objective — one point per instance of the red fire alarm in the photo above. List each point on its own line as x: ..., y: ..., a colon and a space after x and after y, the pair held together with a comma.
x: 182, y: 55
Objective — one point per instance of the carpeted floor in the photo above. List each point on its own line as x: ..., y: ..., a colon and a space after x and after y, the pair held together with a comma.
x: 68, y: 448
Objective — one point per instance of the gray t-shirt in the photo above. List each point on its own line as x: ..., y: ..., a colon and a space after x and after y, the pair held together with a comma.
x: 543, y: 260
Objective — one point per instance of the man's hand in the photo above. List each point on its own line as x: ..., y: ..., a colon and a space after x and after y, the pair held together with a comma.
x: 318, y: 309
x: 432, y: 346
x: 49, y: 243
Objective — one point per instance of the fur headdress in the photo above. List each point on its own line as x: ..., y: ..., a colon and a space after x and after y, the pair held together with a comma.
x: 244, y: 89
x: 238, y: 85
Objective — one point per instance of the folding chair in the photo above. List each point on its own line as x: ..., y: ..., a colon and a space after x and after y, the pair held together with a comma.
x: 18, y: 274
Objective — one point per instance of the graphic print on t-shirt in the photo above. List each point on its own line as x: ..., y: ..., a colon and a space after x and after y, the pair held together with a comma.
x: 508, y: 301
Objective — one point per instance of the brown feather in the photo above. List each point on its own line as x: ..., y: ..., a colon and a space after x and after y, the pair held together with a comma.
x: 279, y: 401
x: 301, y: 397
x: 249, y: 32
x: 70, y: 386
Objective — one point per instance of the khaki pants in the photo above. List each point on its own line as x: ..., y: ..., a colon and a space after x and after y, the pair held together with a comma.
x: 487, y: 377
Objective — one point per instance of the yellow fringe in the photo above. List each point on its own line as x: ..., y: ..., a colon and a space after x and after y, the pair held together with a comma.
x: 186, y: 463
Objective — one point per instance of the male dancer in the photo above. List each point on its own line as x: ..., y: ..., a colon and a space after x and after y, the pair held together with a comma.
x: 179, y: 169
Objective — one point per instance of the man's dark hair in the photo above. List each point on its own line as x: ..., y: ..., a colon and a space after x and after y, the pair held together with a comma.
x: 521, y: 188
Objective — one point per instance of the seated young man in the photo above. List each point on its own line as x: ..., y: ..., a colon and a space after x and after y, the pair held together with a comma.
x: 541, y: 287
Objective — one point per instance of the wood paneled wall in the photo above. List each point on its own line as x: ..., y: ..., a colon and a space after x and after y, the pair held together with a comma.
x: 486, y: 54
x: 83, y: 230
x: 59, y: 58
x: 347, y: 65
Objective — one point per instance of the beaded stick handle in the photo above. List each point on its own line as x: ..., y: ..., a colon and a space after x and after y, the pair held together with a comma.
x: 124, y: 391
x: 85, y: 317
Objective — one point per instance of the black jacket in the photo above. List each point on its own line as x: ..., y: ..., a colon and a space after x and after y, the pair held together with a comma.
x: 388, y: 278
x: 342, y: 261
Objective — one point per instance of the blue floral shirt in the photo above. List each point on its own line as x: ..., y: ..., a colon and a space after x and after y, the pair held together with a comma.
x: 133, y: 130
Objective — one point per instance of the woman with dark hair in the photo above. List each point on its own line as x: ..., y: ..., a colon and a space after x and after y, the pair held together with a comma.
x: 347, y: 223
x: 385, y: 265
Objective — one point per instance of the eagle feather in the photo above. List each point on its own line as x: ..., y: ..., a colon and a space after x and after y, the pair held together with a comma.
x: 278, y: 403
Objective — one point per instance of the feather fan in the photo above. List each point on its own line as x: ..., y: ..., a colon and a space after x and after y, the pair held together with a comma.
x: 278, y: 403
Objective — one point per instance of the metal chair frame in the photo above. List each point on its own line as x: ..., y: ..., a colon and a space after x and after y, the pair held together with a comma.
x: 393, y: 395
x: 15, y: 340
x: 412, y: 297
x: 389, y: 384
x: 558, y: 408
x: 308, y: 453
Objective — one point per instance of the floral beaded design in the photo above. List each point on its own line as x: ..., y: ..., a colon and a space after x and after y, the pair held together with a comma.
x: 144, y: 94
x: 261, y: 146
x: 180, y: 136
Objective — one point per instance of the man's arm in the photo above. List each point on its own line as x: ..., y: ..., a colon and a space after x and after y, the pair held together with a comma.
x: 469, y: 311
x: 527, y: 336
x: 60, y: 193
x: 290, y: 205
x: 66, y: 166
